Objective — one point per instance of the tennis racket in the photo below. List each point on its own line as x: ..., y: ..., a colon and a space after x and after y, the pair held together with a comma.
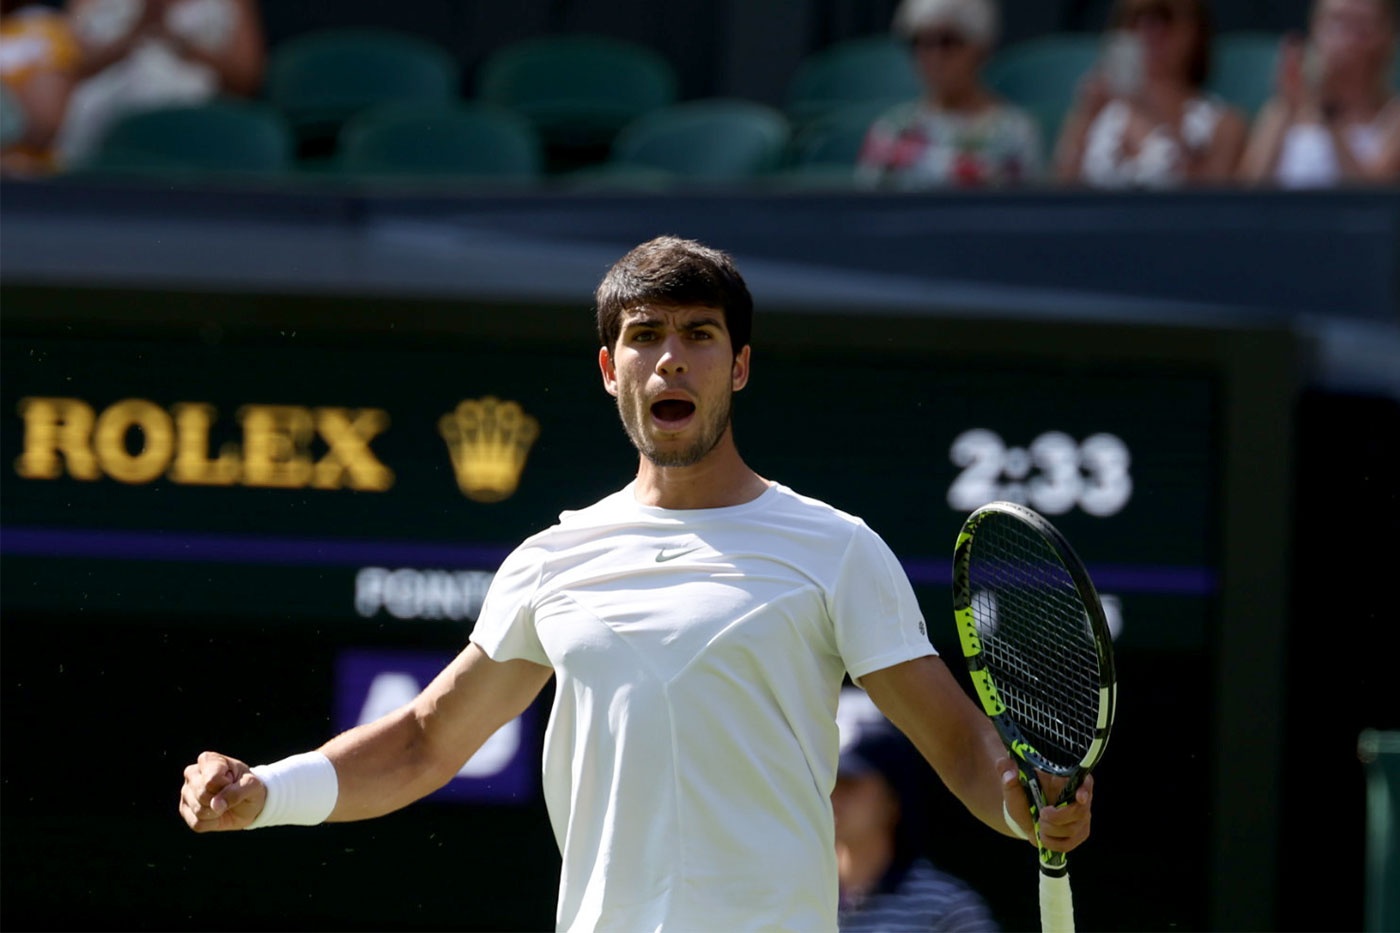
x: 1040, y: 656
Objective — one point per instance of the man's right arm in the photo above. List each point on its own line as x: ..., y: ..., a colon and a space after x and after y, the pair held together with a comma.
x: 387, y: 764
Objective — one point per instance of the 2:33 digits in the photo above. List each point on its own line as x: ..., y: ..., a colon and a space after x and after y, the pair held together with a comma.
x: 1053, y: 474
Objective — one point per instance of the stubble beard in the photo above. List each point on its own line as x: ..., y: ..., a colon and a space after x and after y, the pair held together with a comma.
x: 711, y: 434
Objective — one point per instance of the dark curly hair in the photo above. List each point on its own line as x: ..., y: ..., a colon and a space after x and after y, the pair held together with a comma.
x: 675, y: 272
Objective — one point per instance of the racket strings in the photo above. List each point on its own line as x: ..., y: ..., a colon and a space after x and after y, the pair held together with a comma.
x: 1037, y: 643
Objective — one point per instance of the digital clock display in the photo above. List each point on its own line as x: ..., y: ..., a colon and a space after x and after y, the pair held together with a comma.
x: 1053, y: 474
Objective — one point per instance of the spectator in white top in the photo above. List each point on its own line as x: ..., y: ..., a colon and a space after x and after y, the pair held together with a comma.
x: 143, y: 54
x: 1143, y: 118
x: 1335, y: 119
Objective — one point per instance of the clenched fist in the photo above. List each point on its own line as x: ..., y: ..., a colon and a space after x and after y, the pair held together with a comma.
x: 220, y: 793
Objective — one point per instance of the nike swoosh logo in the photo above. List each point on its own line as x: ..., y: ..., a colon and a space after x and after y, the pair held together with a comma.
x: 662, y: 557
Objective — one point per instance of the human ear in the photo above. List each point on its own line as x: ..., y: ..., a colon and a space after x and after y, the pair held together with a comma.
x: 740, y: 373
x: 609, y: 370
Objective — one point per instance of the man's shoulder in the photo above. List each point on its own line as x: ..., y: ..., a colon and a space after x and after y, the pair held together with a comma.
x: 805, y: 508
x: 575, y: 530
x: 607, y: 509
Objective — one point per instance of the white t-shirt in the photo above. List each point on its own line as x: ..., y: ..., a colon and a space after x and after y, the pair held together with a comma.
x: 699, y: 656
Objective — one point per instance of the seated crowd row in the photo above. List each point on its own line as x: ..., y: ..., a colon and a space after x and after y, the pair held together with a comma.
x: 1143, y: 114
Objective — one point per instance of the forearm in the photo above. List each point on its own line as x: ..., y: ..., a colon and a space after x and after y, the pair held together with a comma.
x: 238, y: 64
x: 371, y: 769
x: 95, y: 58
x: 1219, y: 162
x: 414, y: 750
x: 975, y: 779
x: 951, y: 732
x: 101, y: 41
x: 1261, y: 155
x: 1067, y: 158
x: 383, y: 766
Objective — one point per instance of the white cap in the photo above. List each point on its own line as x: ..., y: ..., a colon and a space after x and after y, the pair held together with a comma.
x: 978, y: 20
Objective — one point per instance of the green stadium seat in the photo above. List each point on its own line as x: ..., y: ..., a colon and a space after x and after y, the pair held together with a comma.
x: 1042, y: 75
x: 713, y: 139
x: 223, y: 137
x: 468, y: 140
x: 870, y: 70
x: 319, y: 80
x: 834, y: 138
x: 579, y: 91
x: 1243, y: 67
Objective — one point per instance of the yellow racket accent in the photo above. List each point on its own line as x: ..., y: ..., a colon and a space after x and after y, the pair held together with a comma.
x: 991, y: 700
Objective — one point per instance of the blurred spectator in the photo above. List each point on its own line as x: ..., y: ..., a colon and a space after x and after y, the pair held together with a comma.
x: 38, y: 61
x: 881, y: 809
x: 1143, y: 118
x: 959, y: 133
x: 140, y: 54
x: 1335, y: 118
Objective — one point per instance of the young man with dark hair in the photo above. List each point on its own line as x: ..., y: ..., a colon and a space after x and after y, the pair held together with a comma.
x: 700, y: 623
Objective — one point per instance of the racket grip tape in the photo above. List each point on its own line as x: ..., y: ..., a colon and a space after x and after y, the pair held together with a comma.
x: 1056, y: 904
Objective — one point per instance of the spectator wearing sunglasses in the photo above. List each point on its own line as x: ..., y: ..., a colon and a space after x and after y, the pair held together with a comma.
x: 1143, y: 118
x: 958, y: 134
x: 1335, y: 117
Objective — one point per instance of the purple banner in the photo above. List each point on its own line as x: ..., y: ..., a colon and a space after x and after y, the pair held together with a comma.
x: 370, y: 683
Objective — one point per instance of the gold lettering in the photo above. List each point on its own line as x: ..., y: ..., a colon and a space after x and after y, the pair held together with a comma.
x: 157, y: 440
x: 192, y: 465
x: 54, y: 426
x: 135, y: 441
x: 276, y: 445
x: 348, y: 434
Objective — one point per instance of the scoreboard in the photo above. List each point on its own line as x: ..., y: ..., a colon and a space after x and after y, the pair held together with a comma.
x: 291, y: 516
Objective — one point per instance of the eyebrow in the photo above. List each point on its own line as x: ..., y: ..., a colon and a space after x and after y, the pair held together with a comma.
x: 657, y: 322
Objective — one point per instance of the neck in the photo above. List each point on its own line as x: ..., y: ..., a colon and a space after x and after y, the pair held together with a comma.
x: 719, y: 480
x: 861, y: 863
x: 1166, y: 90
x: 958, y: 98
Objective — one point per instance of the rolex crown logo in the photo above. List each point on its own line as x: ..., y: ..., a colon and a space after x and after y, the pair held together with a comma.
x: 489, y: 440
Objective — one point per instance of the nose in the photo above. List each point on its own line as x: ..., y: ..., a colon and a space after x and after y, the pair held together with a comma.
x: 672, y: 359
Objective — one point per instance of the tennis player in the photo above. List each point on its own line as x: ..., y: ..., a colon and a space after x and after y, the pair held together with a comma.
x: 700, y: 623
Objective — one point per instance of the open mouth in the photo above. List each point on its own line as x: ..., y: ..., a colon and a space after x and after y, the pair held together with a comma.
x: 672, y: 410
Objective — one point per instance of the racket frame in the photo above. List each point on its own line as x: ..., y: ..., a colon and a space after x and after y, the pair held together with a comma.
x: 1027, y: 759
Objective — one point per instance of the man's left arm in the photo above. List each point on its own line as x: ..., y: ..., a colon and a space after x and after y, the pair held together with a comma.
x: 928, y: 705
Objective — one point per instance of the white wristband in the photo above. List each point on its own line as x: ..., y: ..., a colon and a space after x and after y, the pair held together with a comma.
x: 301, y: 791
x: 1011, y: 823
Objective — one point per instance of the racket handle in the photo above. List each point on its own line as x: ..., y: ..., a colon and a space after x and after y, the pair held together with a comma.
x: 1056, y: 904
